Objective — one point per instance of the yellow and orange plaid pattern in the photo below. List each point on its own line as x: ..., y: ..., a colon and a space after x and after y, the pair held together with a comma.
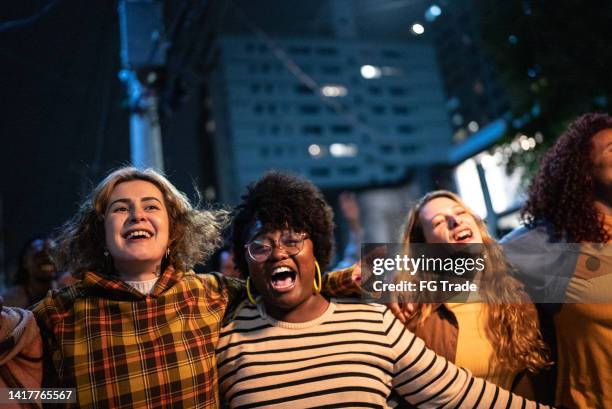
x: 121, y: 348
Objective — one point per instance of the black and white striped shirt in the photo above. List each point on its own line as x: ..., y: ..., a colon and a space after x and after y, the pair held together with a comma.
x: 351, y: 356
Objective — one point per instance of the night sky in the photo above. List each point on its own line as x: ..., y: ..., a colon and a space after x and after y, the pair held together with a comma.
x: 64, y: 123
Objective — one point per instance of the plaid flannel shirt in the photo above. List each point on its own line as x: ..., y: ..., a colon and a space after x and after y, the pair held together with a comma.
x: 121, y: 348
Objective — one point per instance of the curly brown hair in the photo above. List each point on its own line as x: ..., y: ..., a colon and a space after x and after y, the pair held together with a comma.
x: 512, y: 327
x: 562, y: 192
x: 280, y: 200
x: 194, y: 234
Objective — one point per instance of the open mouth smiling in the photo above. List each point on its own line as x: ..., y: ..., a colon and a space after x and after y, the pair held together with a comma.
x: 283, y: 278
x: 135, y: 235
x: 463, y: 235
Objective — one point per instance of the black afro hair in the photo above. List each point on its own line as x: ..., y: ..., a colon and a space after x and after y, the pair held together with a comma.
x: 279, y: 201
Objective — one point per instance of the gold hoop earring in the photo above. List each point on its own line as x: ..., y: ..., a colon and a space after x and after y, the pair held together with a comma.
x: 317, y: 287
x: 249, y: 293
x: 168, y: 252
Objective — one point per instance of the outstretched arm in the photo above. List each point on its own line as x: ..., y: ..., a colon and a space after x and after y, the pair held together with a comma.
x: 425, y: 379
x: 20, y: 349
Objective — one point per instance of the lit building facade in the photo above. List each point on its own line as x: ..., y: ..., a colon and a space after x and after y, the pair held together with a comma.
x: 345, y: 113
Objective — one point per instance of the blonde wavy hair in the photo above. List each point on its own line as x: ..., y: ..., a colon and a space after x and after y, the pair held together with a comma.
x: 194, y: 234
x: 512, y: 327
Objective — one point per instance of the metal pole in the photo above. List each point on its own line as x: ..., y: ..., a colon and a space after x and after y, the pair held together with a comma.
x: 491, y: 215
x: 140, y: 25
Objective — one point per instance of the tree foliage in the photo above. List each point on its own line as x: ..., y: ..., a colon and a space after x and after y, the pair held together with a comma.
x: 555, y: 59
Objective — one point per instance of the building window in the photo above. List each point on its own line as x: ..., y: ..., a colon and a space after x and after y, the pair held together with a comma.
x: 341, y: 129
x: 379, y: 109
x: 407, y: 149
x: 405, y: 129
x: 330, y: 69
x: 302, y: 89
x: 397, y: 91
x: 390, y: 169
x: 374, y: 90
x: 386, y: 148
x: 349, y: 170
x: 391, y: 54
x: 310, y: 109
x: 299, y: 50
x: 319, y: 172
x: 402, y: 110
x: 327, y: 51
x: 312, y: 130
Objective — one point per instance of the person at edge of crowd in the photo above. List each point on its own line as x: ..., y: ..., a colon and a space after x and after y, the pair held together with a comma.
x: 292, y: 347
x: 140, y: 327
x: 349, y: 206
x: 496, y: 335
x: 227, y: 267
x: 570, y: 201
x: 35, y: 276
x: 20, y: 351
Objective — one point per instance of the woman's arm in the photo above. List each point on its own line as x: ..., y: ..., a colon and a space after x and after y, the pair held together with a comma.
x: 343, y: 283
x: 20, y: 349
x: 425, y: 379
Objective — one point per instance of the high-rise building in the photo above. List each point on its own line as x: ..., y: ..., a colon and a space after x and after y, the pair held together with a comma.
x: 344, y: 112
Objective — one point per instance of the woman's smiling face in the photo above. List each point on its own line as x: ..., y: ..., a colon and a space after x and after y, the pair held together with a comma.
x: 445, y: 221
x: 136, y: 226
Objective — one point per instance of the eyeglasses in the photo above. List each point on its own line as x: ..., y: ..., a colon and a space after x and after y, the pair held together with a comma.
x: 261, y: 249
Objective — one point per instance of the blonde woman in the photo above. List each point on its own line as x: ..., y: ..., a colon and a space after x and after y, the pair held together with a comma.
x: 498, y: 338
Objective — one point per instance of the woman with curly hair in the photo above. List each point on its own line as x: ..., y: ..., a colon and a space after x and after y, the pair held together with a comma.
x: 291, y: 347
x: 573, y: 187
x: 497, y: 338
x: 570, y: 202
x: 139, y: 328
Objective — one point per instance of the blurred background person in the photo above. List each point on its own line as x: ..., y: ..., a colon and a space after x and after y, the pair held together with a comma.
x: 497, y: 337
x: 570, y: 201
x: 35, y: 276
x: 226, y: 264
x: 349, y: 208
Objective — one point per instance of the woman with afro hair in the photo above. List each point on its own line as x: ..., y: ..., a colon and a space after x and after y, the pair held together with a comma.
x: 568, y: 227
